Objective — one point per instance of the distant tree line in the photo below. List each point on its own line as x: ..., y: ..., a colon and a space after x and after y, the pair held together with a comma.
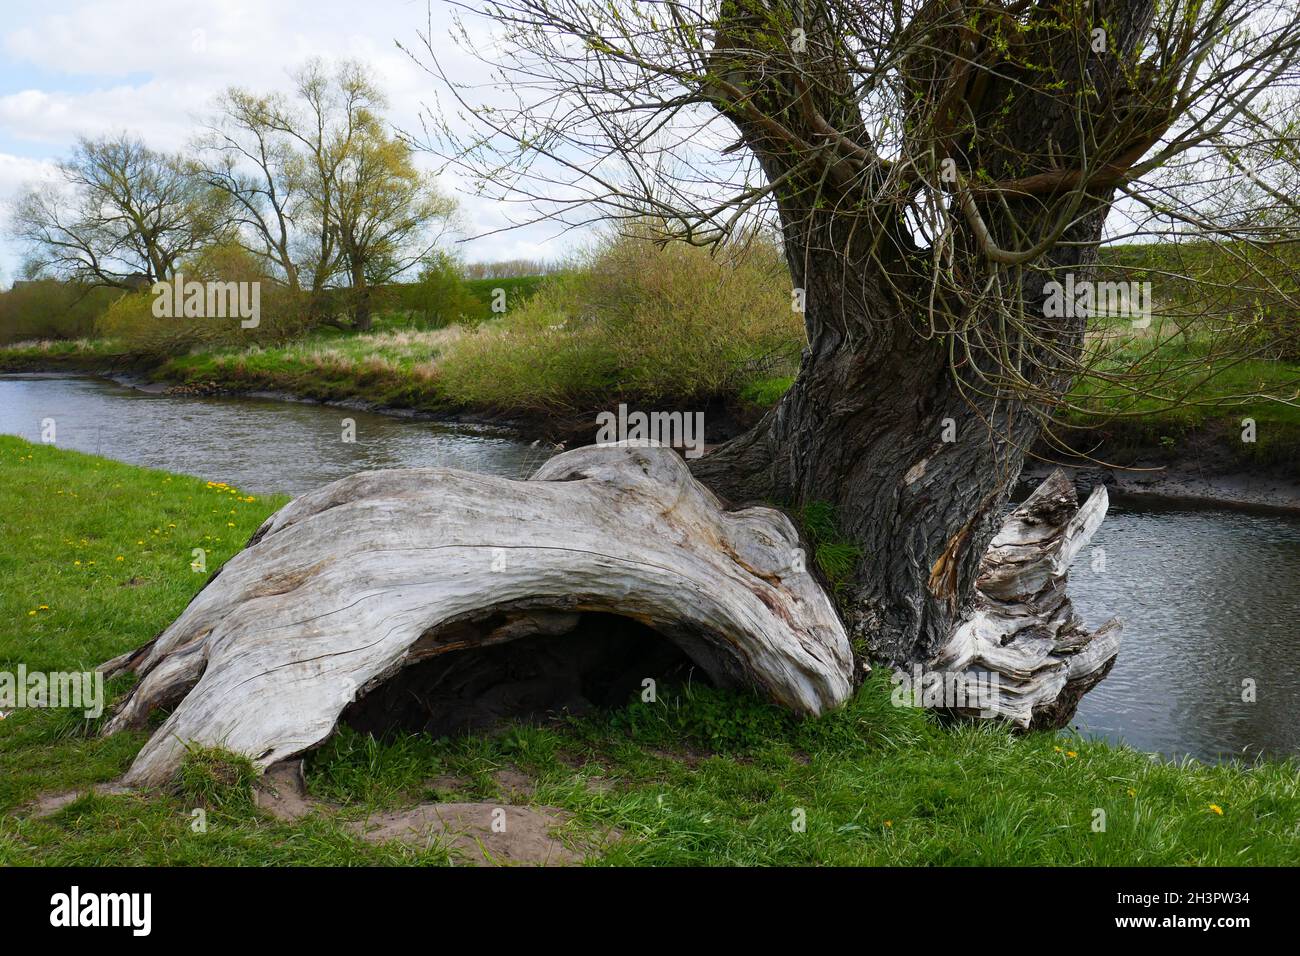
x: 310, y: 191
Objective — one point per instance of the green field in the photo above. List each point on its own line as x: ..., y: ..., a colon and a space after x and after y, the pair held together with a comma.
x: 95, y: 559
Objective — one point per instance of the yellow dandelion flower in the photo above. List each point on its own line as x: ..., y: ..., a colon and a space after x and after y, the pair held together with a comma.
x: 1071, y: 753
x: 1217, y: 809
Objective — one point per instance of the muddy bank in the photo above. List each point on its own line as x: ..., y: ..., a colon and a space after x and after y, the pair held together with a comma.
x: 1205, y: 467
x: 722, y: 418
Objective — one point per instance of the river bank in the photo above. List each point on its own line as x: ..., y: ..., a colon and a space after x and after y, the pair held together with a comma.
x: 1201, y: 468
x: 1200, y: 459
x: 97, y: 556
x: 387, y: 385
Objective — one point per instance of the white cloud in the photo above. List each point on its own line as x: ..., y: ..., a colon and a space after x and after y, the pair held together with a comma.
x: 151, y: 67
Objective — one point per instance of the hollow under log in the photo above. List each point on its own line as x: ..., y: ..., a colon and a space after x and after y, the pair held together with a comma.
x: 390, y: 595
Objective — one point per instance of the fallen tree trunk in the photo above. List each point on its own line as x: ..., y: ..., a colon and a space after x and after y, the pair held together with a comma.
x: 383, y: 572
x: 349, y: 584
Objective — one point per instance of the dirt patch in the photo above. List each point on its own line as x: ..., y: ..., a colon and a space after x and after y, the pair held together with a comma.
x: 282, y: 792
x: 514, y: 783
x: 446, y: 783
x: 1179, y: 482
x: 482, y: 834
x: 48, y: 804
x: 1205, y: 467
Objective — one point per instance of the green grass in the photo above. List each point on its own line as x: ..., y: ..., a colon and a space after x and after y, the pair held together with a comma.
x: 701, y: 777
x: 518, y: 289
x: 1188, y: 393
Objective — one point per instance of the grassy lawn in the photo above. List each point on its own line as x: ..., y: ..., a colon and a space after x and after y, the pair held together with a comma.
x: 95, y: 559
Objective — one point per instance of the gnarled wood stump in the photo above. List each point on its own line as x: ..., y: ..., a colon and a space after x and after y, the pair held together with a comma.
x: 350, y: 585
x: 352, y: 582
x: 1023, y: 628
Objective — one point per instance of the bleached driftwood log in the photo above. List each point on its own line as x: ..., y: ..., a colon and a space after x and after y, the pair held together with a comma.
x: 350, y: 583
x: 347, y: 586
x: 1023, y: 636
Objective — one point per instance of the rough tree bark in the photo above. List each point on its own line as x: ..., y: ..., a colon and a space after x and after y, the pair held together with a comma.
x: 916, y: 435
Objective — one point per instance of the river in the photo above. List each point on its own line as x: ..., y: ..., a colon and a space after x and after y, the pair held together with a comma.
x: 1210, y: 598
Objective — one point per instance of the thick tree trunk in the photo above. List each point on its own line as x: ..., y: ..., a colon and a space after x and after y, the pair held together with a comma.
x: 908, y: 445
x: 362, y: 318
x: 920, y: 391
x: 352, y: 583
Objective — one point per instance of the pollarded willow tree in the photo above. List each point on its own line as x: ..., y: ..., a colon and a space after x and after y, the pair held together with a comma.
x: 933, y: 166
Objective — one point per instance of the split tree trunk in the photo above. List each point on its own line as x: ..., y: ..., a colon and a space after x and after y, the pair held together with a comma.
x: 917, y: 458
x: 931, y: 366
x: 347, y: 586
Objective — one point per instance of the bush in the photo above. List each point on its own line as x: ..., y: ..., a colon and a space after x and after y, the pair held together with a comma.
x: 528, y: 360
x: 283, y: 314
x: 439, y: 297
x: 51, y: 309
x: 688, y: 323
x: 638, y: 320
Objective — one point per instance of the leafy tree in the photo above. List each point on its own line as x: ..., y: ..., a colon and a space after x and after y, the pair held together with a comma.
x: 120, y: 215
x: 439, y: 296
x: 323, y: 191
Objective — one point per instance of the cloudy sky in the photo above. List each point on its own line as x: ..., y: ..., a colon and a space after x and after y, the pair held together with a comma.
x: 72, y: 68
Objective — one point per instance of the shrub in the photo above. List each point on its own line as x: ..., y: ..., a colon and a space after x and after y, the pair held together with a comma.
x: 644, y: 321
x: 693, y: 323
x: 51, y: 309
x: 439, y: 297
x: 527, y: 359
x: 283, y: 314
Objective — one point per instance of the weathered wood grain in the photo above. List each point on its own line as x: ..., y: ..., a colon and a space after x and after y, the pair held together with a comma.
x: 347, y: 585
x: 351, y: 582
x: 1022, y: 627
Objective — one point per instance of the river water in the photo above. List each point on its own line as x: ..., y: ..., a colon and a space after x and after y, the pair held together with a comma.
x: 1210, y: 598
